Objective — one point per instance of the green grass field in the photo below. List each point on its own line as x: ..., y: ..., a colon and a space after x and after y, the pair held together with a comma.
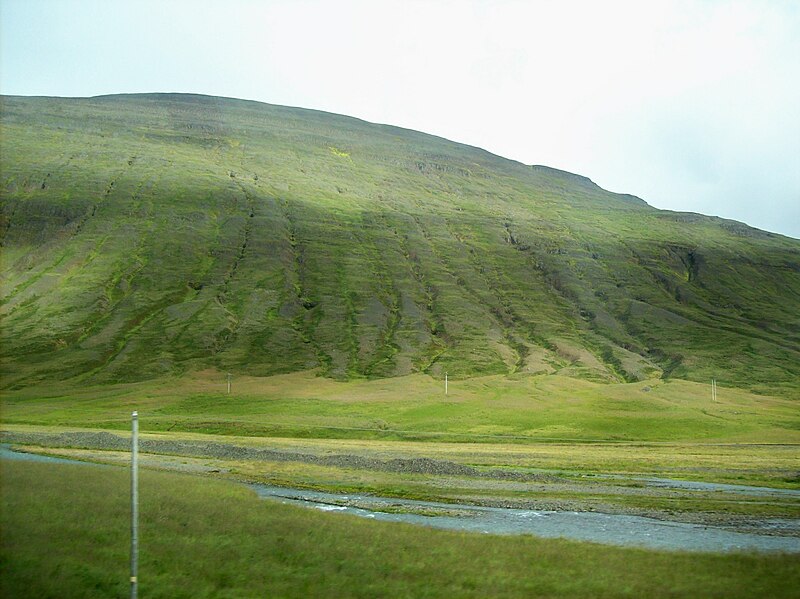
x: 483, y: 409
x: 66, y: 534
x: 570, y: 428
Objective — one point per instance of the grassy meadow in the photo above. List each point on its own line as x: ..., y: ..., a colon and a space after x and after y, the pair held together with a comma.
x: 569, y: 428
x: 66, y: 534
x: 481, y: 409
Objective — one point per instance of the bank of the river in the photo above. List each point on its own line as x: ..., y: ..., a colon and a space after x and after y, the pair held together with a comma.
x: 516, y: 512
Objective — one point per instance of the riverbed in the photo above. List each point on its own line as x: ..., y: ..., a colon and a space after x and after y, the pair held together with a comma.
x: 612, y: 529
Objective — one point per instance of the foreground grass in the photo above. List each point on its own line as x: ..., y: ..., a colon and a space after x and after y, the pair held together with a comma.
x: 65, y: 534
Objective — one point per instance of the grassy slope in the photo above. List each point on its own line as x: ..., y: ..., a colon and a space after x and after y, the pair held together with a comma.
x: 146, y: 236
x: 65, y: 533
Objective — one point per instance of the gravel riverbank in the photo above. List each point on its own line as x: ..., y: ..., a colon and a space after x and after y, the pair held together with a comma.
x: 225, y: 451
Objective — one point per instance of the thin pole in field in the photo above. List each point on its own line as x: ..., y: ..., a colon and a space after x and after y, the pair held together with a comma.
x: 445, y: 383
x: 134, y: 504
x: 229, y: 383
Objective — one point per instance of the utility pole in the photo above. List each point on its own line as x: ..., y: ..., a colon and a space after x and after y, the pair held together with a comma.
x: 445, y: 383
x: 229, y: 383
x: 134, y: 504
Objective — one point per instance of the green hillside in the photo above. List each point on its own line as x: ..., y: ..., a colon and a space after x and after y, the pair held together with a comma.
x: 155, y: 235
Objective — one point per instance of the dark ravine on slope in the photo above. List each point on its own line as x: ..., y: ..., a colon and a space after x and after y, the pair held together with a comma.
x: 155, y: 234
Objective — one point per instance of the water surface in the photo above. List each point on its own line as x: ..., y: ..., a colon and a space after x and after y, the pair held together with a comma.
x: 613, y: 529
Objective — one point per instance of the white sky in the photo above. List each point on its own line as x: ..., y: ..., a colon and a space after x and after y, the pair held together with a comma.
x: 691, y: 105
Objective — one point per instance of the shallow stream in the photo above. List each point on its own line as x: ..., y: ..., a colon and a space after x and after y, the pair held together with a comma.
x: 612, y: 529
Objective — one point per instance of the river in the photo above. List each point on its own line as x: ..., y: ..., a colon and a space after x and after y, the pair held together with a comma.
x: 611, y: 529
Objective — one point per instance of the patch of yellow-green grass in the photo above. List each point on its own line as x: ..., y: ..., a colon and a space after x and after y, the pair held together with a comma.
x: 337, y: 152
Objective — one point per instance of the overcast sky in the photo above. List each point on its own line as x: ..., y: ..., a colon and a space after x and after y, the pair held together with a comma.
x: 691, y: 105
